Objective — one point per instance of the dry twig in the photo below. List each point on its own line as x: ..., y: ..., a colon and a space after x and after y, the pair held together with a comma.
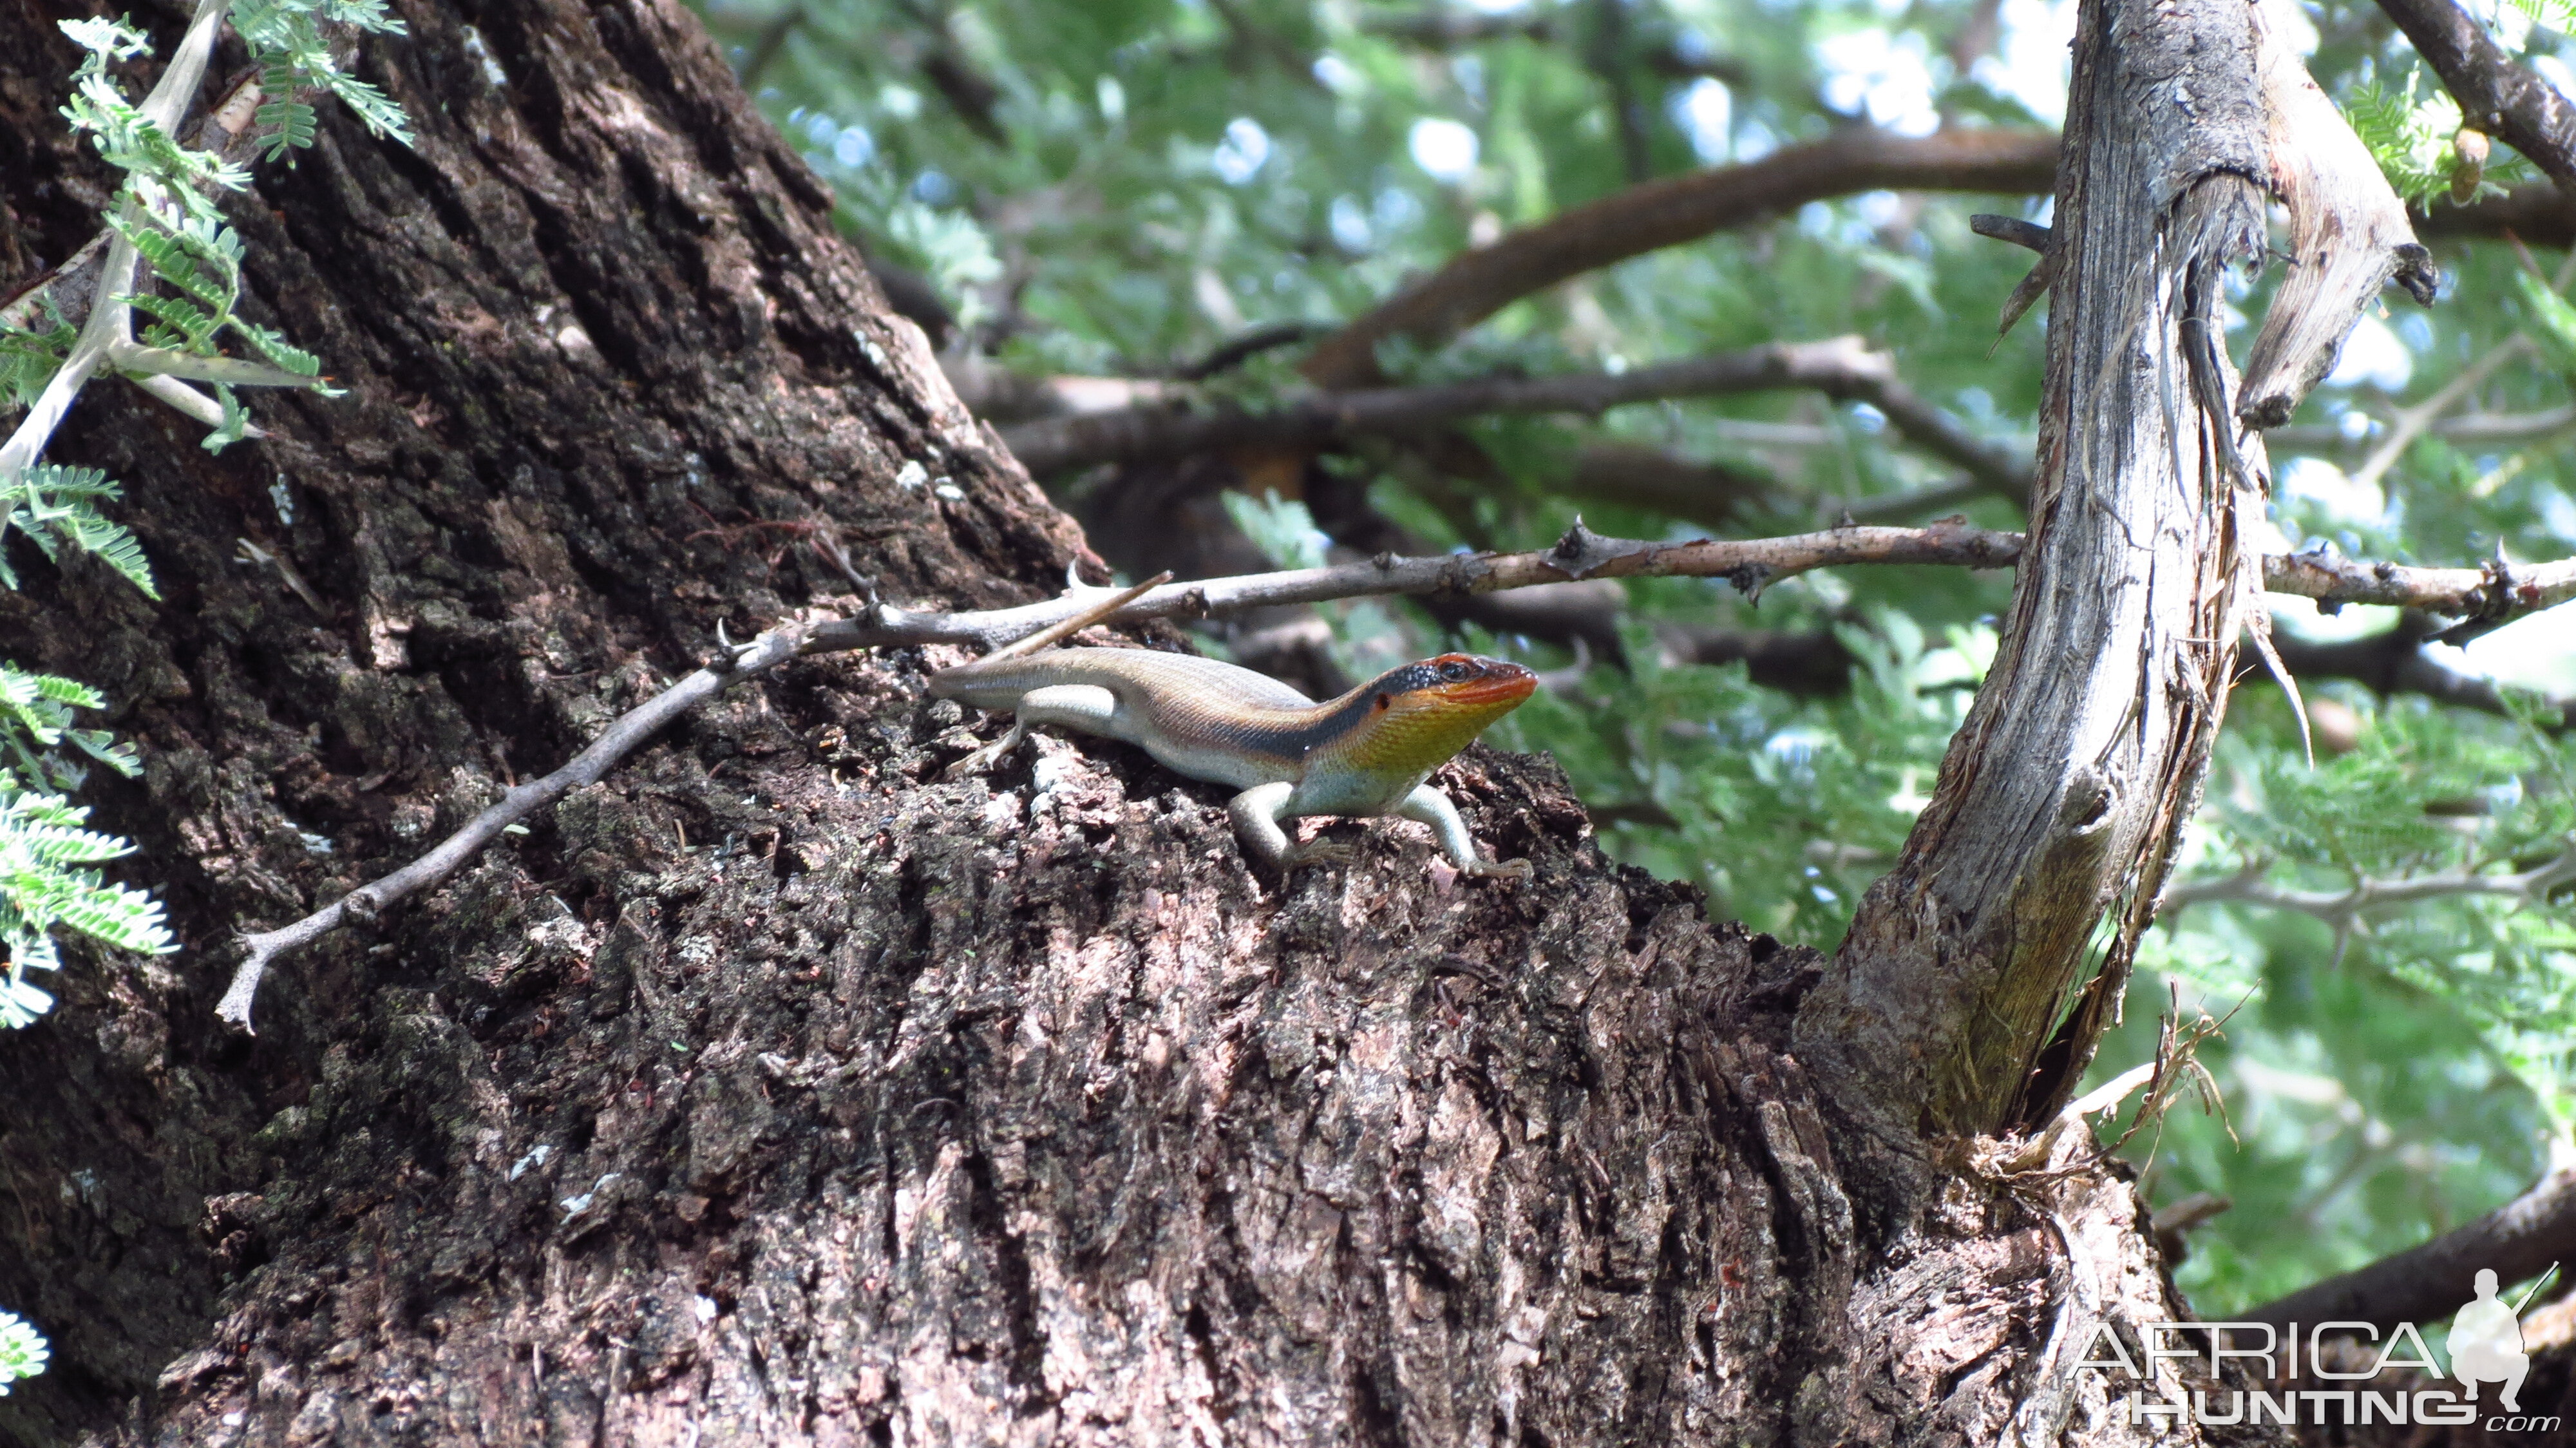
x: 1843, y: 368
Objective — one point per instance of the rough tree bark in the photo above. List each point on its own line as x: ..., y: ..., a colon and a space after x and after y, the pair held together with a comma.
x: 772, y: 1090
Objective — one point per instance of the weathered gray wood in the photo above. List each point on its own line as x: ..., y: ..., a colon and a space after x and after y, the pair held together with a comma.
x: 2349, y: 237
x: 2062, y: 796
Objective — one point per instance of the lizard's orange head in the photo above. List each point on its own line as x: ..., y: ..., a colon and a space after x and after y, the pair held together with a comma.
x: 1421, y: 714
x: 1468, y: 681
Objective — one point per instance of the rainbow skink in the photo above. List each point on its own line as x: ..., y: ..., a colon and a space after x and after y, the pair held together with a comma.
x: 1365, y: 753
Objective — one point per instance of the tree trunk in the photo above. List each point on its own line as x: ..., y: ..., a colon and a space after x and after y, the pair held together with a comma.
x: 2081, y: 757
x: 773, y: 1090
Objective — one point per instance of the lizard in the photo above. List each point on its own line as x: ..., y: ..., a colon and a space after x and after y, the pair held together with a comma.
x: 1367, y: 753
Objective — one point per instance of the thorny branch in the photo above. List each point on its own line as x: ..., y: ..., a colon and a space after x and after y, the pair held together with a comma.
x: 1750, y: 564
x: 2339, y: 907
x: 2497, y: 591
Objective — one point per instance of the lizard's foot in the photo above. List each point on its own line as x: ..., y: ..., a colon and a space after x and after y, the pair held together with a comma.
x: 977, y: 761
x: 1505, y: 869
x: 1320, y: 852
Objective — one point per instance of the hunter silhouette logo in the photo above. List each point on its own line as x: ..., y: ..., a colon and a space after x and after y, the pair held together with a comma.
x: 2486, y: 1345
x: 2486, y: 1348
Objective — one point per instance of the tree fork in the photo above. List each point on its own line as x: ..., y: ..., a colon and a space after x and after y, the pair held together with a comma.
x: 2062, y: 796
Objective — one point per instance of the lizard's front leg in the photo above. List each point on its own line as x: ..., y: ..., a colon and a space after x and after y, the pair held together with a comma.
x: 1257, y: 812
x: 1433, y: 808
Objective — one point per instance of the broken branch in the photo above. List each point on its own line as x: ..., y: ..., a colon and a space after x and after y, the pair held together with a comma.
x: 2348, y: 237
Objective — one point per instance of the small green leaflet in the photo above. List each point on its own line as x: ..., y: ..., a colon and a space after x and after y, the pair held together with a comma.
x: 45, y: 844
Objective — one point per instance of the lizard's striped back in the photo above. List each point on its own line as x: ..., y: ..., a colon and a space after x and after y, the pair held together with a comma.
x: 1201, y: 717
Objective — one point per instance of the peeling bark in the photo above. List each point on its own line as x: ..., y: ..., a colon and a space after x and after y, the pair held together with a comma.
x: 2349, y: 236
x: 1959, y: 993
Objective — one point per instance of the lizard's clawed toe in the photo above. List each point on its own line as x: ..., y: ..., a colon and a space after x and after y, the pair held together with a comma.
x: 1321, y: 852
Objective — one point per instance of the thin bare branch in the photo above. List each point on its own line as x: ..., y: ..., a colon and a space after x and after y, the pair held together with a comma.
x: 2411, y: 422
x: 2476, y: 429
x: 2339, y: 907
x: 453, y: 852
x: 1142, y: 434
x: 1476, y: 284
x: 1843, y: 368
x: 1579, y: 554
x: 2002, y: 469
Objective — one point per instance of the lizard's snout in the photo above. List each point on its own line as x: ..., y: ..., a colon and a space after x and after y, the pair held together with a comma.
x: 1481, y: 682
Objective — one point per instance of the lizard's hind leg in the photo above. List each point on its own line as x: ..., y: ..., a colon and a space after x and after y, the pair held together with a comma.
x: 1087, y: 708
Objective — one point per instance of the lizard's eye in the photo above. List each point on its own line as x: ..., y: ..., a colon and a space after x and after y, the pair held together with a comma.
x: 1453, y: 671
x: 1382, y: 702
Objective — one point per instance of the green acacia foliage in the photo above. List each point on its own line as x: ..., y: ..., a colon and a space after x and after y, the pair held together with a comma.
x: 1121, y: 186
x: 46, y: 884
x: 23, y: 1351
x: 169, y: 208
